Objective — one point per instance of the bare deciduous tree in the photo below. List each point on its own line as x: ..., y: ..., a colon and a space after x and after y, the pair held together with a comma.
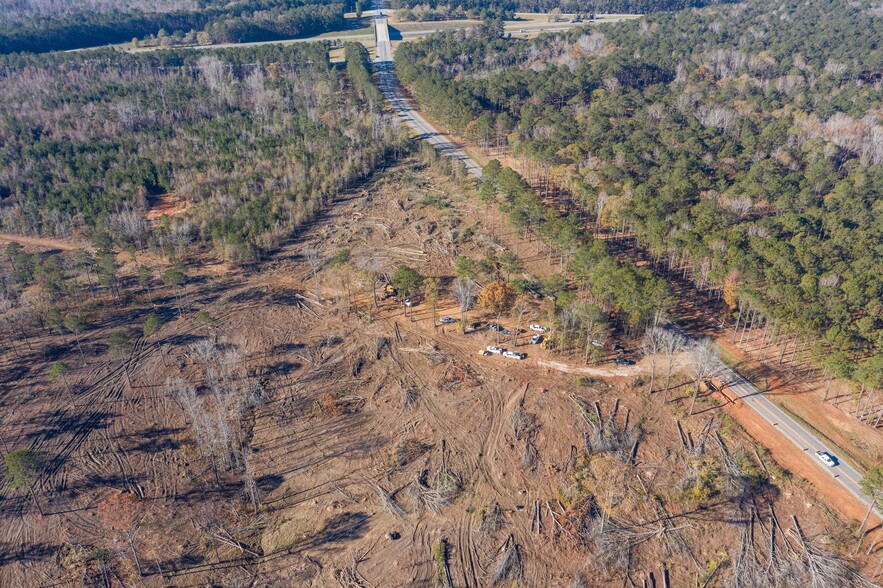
x: 130, y: 224
x: 373, y: 268
x: 251, y: 487
x: 464, y: 294
x: 704, y: 362
x: 313, y: 259
x: 652, y: 345
x: 670, y: 345
x: 519, y: 309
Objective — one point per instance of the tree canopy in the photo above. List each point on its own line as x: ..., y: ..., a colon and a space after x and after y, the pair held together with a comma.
x: 21, y: 467
x: 213, y: 21
x: 738, y: 143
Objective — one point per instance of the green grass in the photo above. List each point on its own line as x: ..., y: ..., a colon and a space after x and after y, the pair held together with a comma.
x: 351, y: 32
x: 440, y: 553
x: 426, y: 26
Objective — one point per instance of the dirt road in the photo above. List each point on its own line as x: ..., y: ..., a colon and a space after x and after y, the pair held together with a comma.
x: 41, y: 242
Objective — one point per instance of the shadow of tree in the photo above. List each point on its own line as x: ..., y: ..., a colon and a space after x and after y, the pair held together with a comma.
x: 34, y: 552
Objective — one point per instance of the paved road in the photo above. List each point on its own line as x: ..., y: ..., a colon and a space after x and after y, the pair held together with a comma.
x: 514, y: 28
x: 789, y: 428
x: 845, y: 474
x: 342, y: 38
x: 389, y: 85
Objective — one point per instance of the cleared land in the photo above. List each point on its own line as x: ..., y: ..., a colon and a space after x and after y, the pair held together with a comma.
x: 383, y: 451
x: 796, y: 385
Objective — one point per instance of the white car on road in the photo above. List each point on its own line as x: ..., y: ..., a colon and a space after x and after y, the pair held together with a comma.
x: 538, y: 328
x: 826, y: 458
x: 497, y: 350
x: 514, y: 355
x: 446, y: 320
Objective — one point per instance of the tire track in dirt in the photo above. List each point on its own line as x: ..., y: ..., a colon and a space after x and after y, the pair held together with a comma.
x: 53, y: 476
x: 466, y: 554
x: 487, y: 437
x: 421, y: 553
x: 497, y: 431
x: 454, y: 430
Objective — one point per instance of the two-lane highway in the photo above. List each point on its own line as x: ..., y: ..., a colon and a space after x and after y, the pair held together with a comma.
x: 389, y: 85
x: 845, y: 474
x: 790, y: 429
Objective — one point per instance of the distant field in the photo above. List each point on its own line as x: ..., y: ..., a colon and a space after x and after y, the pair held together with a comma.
x: 435, y: 24
x: 354, y: 32
x: 545, y: 15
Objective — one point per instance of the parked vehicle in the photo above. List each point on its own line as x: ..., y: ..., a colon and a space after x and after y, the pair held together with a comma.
x: 623, y: 361
x: 495, y: 349
x: 536, y: 339
x: 505, y: 332
x: 538, y: 328
x: 514, y: 355
x: 484, y: 352
x: 826, y: 458
x: 597, y: 343
x: 494, y: 327
x: 446, y: 320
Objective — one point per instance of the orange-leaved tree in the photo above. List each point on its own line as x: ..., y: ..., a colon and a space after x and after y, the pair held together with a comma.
x: 498, y: 298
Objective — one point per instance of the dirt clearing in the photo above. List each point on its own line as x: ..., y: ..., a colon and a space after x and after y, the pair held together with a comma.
x: 376, y: 449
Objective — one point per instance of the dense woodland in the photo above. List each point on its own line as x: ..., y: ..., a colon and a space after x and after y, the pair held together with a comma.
x: 740, y: 143
x: 633, y: 297
x: 54, y: 28
x: 434, y: 9
x: 254, y: 141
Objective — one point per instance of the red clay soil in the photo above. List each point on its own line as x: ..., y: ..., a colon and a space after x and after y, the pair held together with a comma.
x: 801, y: 399
x: 39, y: 242
x: 782, y: 450
x: 789, y: 456
x: 166, y: 204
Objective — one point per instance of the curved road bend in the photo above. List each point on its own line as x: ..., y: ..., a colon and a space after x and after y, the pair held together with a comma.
x: 846, y: 475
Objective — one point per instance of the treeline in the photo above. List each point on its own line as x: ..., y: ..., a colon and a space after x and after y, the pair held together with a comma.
x: 605, y: 292
x: 739, y: 145
x: 252, y: 142
x: 311, y: 19
x: 359, y: 74
x: 482, y: 8
x: 252, y: 20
